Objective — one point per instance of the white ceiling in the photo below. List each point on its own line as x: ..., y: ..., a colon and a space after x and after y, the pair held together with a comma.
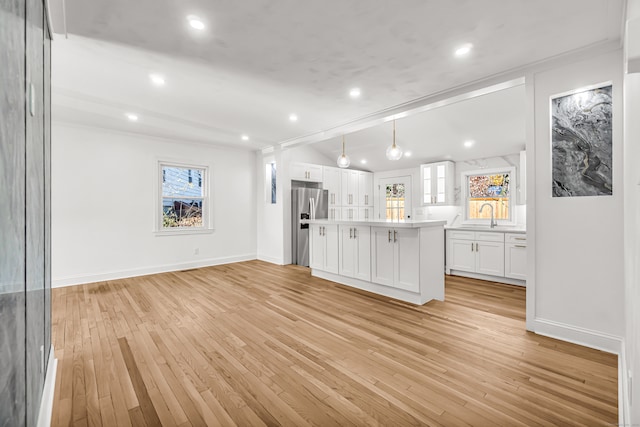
x: 260, y: 60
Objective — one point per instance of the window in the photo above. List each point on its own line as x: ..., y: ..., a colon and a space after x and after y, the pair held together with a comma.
x: 183, y: 201
x: 270, y: 182
x: 492, y: 187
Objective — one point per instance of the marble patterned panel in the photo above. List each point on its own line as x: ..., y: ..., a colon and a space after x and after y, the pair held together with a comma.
x: 12, y: 241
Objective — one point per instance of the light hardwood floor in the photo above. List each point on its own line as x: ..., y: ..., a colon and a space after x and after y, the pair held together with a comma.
x: 252, y: 344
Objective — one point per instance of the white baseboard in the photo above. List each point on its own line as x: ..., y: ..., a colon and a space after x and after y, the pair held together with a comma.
x: 113, y: 275
x: 498, y: 279
x: 576, y: 335
x: 271, y: 259
x: 46, y: 404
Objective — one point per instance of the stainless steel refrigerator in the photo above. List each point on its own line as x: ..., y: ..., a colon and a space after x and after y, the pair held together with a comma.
x: 306, y: 203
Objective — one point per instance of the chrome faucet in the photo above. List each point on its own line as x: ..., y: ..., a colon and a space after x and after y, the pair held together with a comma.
x: 493, y: 221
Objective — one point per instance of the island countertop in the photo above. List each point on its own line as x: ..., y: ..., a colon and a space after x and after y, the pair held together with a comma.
x: 377, y: 223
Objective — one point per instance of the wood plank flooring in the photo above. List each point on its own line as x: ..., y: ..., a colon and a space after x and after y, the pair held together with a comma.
x: 254, y: 344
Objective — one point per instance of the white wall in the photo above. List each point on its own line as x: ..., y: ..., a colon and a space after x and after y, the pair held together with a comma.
x: 579, y: 291
x: 103, y: 202
x: 632, y: 215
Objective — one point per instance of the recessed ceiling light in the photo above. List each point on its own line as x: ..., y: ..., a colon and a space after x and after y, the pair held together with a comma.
x: 408, y: 153
x: 464, y: 49
x: 245, y: 137
x: 157, y: 79
x: 293, y: 117
x: 195, y: 22
x: 469, y: 143
x: 132, y: 117
x: 355, y: 92
x: 363, y: 161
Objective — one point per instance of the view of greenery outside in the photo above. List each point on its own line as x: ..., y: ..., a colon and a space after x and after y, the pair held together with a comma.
x: 395, y: 202
x: 182, y: 197
x: 492, y: 189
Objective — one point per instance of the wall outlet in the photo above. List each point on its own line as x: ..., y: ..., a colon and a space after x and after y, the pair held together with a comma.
x: 196, y: 251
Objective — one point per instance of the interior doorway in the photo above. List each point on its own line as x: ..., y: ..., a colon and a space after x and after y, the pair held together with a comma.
x: 395, y: 198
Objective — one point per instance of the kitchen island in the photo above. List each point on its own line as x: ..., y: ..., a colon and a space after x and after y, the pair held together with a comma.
x: 401, y: 260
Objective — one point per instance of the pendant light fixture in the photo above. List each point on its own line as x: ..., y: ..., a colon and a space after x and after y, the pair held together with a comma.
x: 343, y: 160
x: 394, y: 152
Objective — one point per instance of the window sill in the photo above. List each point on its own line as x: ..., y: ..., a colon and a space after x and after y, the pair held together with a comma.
x: 182, y: 231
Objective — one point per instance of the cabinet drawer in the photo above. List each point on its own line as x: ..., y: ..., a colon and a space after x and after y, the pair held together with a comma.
x: 461, y: 235
x: 520, y: 239
x: 488, y: 236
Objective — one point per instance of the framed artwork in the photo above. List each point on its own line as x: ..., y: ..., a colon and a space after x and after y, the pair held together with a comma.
x: 581, y: 142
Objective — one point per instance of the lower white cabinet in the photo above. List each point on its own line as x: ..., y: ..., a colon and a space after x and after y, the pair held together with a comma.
x: 355, y: 252
x: 515, y: 256
x: 323, y: 253
x: 396, y: 257
x: 476, y: 252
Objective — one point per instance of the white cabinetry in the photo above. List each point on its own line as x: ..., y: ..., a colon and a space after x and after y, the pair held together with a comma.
x: 334, y: 213
x: 323, y: 253
x: 365, y: 214
x: 350, y: 214
x: 355, y: 252
x: 349, y: 188
x: 331, y: 182
x: 515, y: 256
x: 438, y: 183
x: 365, y: 189
x: 306, y: 172
x: 476, y: 252
x: 396, y: 258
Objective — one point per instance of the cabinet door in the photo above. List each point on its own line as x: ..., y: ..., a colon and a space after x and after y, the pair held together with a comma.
x: 365, y: 189
x: 461, y: 255
x: 331, y: 182
x: 365, y: 214
x: 316, y: 247
x: 299, y: 172
x: 347, y: 251
x: 331, y: 254
x: 344, y: 187
x: 362, y: 259
x: 515, y: 261
x: 407, y: 257
x: 490, y: 258
x: 383, y: 258
x: 314, y: 172
x: 335, y: 213
x: 427, y: 185
x: 349, y: 214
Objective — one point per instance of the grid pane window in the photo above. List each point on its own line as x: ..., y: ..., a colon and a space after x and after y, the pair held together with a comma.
x: 395, y: 198
x: 183, y: 197
x: 493, y: 189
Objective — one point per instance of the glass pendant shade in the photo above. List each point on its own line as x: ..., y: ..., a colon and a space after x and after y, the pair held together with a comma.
x: 394, y: 152
x: 343, y: 160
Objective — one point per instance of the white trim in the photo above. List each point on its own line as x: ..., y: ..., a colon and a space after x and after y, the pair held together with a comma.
x: 113, y: 275
x: 624, y: 401
x: 513, y: 185
x: 46, y: 403
x: 271, y: 259
x: 576, y: 335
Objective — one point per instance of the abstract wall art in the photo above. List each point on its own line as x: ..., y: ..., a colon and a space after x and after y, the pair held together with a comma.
x: 581, y: 143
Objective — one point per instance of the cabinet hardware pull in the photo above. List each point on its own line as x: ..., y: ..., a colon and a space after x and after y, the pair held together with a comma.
x: 351, y: 233
x: 319, y: 231
x: 354, y: 233
x: 389, y: 236
x: 395, y: 236
x: 477, y: 250
x: 471, y: 246
x: 520, y: 246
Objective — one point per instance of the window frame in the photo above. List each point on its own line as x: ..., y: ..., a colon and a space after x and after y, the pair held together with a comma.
x: 464, y: 180
x: 207, y: 221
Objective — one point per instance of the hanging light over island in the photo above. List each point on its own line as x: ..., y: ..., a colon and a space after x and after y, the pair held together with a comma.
x: 343, y: 160
x: 394, y: 152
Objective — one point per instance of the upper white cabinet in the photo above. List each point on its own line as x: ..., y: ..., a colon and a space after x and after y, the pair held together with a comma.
x: 331, y: 182
x: 355, y: 252
x: 306, y: 172
x: 438, y: 182
x: 396, y: 257
x: 349, y: 187
x: 322, y: 251
x: 365, y: 189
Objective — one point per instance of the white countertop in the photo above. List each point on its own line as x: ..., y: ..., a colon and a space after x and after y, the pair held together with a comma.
x: 520, y: 229
x: 377, y: 223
